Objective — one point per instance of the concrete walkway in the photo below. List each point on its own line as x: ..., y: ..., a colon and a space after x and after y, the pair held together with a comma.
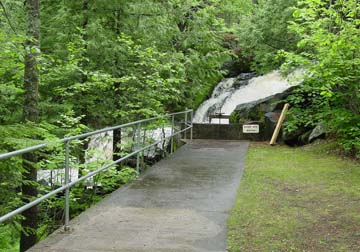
x: 180, y: 205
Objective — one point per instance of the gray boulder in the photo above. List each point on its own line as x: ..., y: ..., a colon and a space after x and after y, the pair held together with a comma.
x: 318, y: 132
x: 256, y: 110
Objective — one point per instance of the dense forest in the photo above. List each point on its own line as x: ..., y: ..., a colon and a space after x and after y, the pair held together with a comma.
x: 71, y: 66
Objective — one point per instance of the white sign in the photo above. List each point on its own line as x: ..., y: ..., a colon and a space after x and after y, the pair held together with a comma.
x: 251, y: 129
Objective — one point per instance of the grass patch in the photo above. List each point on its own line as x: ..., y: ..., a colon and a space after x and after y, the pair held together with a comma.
x: 296, y: 199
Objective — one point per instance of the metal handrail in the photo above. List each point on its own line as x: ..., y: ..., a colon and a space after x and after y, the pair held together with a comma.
x: 67, y: 141
x: 64, y: 140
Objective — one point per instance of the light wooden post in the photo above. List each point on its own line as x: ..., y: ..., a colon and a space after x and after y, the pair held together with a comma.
x: 279, y: 124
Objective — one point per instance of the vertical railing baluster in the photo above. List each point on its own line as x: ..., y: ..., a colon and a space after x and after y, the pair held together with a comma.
x: 143, y: 152
x: 172, y: 134
x: 67, y: 190
x: 186, y: 118
x: 163, y: 140
x: 191, y: 130
x: 137, y: 139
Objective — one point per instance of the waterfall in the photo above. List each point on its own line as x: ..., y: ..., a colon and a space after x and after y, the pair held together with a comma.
x: 221, y: 92
x: 231, y: 92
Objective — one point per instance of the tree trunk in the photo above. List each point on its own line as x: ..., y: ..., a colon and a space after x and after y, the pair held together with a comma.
x: 30, y: 113
x: 117, y: 95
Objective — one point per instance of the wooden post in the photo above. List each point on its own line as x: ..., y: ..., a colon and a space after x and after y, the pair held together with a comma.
x: 279, y: 124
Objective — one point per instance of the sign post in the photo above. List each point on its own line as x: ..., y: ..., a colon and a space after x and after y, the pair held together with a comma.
x: 279, y: 124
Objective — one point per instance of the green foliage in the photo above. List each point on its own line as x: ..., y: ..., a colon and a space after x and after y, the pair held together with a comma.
x: 8, y: 239
x: 330, y: 49
x: 11, y: 77
x: 264, y: 31
x: 114, y: 177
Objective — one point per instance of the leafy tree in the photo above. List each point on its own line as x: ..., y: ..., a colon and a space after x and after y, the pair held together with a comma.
x: 330, y: 51
x: 31, y: 114
x: 264, y: 31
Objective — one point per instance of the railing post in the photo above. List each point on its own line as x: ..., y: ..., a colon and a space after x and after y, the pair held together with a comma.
x: 143, y: 152
x: 172, y: 133
x: 186, y: 118
x: 191, y: 130
x: 163, y: 140
x: 137, y: 137
x: 67, y: 190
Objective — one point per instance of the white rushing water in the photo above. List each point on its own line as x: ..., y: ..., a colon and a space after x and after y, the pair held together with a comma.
x: 221, y: 92
x: 226, y: 97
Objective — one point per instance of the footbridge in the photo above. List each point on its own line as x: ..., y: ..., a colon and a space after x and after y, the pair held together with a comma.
x: 179, y: 204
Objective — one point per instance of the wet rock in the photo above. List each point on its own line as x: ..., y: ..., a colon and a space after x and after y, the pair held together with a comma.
x: 240, y: 83
x: 256, y: 110
x: 246, y: 76
x: 243, y: 79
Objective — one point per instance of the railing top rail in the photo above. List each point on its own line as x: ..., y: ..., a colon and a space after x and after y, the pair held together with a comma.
x: 67, y: 139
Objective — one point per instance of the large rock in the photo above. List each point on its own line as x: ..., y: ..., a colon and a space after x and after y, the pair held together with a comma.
x: 318, y: 132
x: 266, y: 110
x: 256, y: 110
x: 304, y: 136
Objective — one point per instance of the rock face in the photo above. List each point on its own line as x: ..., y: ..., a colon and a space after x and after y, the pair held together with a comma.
x: 266, y: 110
x: 318, y: 132
x: 243, y: 79
x: 257, y: 110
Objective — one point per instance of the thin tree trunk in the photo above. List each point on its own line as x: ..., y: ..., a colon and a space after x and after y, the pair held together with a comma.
x: 117, y: 95
x: 31, y: 113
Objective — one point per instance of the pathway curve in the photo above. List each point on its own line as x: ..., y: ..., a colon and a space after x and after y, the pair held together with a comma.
x: 179, y: 205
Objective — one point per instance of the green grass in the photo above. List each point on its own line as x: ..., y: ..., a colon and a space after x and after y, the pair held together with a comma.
x: 296, y: 199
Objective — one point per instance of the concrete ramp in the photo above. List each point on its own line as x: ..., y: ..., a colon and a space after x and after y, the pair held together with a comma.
x: 179, y: 205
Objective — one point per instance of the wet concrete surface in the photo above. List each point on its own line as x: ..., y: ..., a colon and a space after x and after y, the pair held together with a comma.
x: 179, y: 205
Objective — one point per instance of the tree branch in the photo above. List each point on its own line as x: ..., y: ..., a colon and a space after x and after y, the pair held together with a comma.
x: 7, y: 17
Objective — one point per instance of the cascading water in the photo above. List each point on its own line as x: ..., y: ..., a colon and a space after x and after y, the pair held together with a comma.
x: 231, y: 92
x: 221, y: 92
